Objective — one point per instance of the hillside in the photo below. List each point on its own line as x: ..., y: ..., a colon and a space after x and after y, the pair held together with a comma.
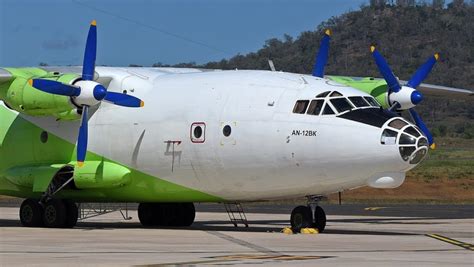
x: 406, y: 36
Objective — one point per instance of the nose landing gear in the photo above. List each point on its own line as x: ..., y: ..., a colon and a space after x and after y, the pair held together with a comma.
x: 304, y: 217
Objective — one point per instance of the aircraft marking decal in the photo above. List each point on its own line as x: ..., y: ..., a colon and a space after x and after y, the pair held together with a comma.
x: 304, y: 132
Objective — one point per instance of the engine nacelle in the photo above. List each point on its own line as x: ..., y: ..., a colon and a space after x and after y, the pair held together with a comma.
x: 407, y: 97
x: 22, y: 97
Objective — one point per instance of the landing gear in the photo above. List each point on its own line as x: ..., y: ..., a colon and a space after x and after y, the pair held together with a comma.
x: 31, y: 213
x: 146, y: 212
x: 55, y: 213
x: 166, y: 214
x: 302, y: 216
x: 319, y: 219
x: 72, y: 214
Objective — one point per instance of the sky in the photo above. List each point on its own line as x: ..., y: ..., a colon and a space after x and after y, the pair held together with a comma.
x: 145, y: 32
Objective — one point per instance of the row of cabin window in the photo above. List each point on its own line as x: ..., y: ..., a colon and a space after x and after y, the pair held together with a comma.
x: 341, y: 104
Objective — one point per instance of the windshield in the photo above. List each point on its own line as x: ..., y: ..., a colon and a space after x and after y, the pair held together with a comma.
x: 333, y: 103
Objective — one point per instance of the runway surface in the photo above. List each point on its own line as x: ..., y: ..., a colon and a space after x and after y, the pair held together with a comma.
x: 396, y: 235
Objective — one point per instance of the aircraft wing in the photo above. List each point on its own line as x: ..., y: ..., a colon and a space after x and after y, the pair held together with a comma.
x: 424, y: 88
x: 5, y: 76
x: 438, y: 90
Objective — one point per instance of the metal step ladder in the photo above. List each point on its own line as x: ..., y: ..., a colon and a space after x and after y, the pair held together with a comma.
x: 236, y: 213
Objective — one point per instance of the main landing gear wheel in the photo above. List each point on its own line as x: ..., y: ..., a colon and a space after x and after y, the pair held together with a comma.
x: 166, y: 214
x: 31, y: 213
x: 301, y: 217
x: 146, y: 214
x: 72, y: 214
x: 186, y: 214
x: 55, y: 213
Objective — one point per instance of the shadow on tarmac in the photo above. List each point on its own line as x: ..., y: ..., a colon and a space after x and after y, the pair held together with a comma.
x: 257, y: 226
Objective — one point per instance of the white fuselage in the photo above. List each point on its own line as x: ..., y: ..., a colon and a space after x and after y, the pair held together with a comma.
x: 270, y: 153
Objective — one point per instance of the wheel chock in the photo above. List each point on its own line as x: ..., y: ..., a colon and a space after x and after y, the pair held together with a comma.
x: 287, y: 231
x: 310, y: 231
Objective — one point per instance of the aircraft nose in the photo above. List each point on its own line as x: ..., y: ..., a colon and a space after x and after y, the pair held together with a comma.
x: 412, y: 144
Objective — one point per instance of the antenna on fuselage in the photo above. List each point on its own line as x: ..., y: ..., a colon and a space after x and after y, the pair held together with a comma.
x: 272, y: 66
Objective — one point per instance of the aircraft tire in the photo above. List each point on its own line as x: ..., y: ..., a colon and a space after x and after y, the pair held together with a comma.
x: 319, y: 219
x: 186, y: 214
x: 31, y: 213
x: 147, y: 214
x: 159, y: 213
x: 72, y: 214
x: 54, y: 213
x: 169, y: 215
x: 301, y: 217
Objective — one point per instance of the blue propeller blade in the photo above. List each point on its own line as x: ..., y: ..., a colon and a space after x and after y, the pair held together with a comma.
x: 423, y: 72
x: 54, y: 87
x: 385, y: 70
x: 88, y: 66
x: 322, y: 56
x: 82, y: 139
x: 419, y: 122
x: 123, y: 100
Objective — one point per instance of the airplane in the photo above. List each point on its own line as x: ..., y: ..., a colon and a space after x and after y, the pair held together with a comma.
x: 167, y: 138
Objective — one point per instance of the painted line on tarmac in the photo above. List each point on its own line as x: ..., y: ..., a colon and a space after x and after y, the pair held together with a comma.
x: 452, y: 241
x: 374, y: 208
x: 239, y: 259
x: 244, y: 243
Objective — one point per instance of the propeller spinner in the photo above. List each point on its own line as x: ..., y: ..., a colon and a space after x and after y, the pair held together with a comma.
x: 403, y: 97
x: 86, y: 92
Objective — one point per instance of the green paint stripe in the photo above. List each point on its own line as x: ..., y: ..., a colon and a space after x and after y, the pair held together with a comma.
x: 20, y: 145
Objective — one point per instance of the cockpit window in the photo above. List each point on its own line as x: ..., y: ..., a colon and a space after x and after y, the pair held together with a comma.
x: 358, y: 101
x: 336, y: 93
x: 315, y: 107
x: 372, y: 101
x: 405, y: 139
x: 323, y: 94
x: 341, y: 104
x: 328, y: 110
x: 389, y: 137
x: 419, y: 156
x: 397, y: 124
x: 406, y: 151
x: 300, y: 106
x: 412, y: 131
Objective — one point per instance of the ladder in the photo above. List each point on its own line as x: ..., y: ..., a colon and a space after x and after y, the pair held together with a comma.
x: 236, y: 213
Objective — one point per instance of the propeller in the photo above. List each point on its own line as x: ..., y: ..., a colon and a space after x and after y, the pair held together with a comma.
x: 86, y: 92
x: 406, y: 97
x: 322, y: 56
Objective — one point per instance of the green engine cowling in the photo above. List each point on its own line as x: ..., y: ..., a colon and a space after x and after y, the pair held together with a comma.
x: 93, y: 175
x: 20, y: 96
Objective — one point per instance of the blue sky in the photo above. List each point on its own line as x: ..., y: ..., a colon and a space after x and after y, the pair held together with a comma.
x: 144, y: 31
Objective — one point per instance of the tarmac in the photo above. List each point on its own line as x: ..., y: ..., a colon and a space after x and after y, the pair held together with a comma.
x: 355, y: 235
